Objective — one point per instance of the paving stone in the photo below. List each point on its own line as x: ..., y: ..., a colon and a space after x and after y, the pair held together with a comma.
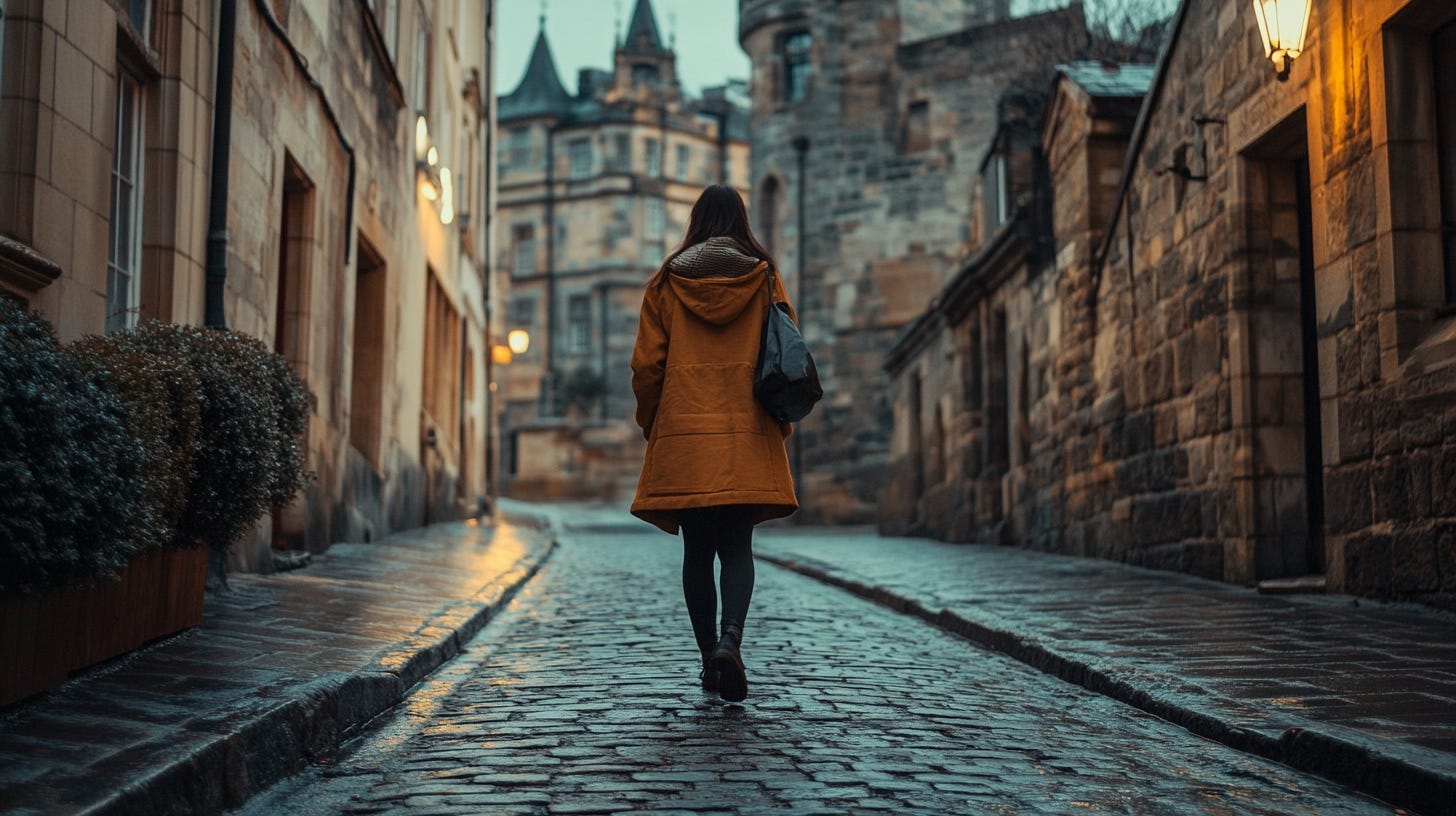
x: 896, y: 714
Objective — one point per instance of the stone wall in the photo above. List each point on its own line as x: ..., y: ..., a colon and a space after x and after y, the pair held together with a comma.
x: 888, y: 212
x: 1251, y: 321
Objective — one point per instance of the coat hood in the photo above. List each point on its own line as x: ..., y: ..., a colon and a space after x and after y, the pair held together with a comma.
x: 715, y: 280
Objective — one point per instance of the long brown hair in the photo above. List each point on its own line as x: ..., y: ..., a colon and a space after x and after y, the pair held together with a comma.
x: 718, y: 213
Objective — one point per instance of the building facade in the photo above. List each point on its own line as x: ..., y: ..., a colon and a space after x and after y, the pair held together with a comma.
x: 866, y: 116
x: 347, y: 162
x: 595, y: 190
x: 1248, y: 367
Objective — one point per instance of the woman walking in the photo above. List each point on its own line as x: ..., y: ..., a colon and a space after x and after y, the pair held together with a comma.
x: 715, y: 462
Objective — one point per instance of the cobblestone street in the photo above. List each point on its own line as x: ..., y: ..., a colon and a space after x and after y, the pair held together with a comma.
x: 582, y: 698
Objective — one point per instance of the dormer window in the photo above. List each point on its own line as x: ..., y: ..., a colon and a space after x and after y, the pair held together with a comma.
x: 797, y: 68
x: 995, y: 194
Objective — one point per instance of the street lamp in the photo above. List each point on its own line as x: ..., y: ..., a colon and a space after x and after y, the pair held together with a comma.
x: 1283, y: 25
x: 519, y: 341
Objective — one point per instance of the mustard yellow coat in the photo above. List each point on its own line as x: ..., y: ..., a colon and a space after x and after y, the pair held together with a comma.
x: 709, y: 442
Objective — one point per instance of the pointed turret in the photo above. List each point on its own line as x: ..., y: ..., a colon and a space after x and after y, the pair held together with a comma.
x: 540, y: 92
x: 642, y: 34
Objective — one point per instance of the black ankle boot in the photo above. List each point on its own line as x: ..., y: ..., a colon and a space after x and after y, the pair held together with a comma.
x: 732, y: 679
x: 709, y: 675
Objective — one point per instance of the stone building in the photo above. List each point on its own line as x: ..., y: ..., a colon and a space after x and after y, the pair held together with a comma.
x: 595, y: 190
x: 866, y: 118
x: 1248, y: 355
x: 352, y: 181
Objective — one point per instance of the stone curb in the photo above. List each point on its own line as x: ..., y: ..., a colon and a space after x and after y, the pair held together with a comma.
x: 260, y: 749
x: 1362, y: 764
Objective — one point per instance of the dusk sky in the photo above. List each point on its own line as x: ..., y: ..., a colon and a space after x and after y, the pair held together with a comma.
x: 582, y: 36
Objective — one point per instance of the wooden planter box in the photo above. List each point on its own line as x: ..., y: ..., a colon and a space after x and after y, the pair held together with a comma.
x: 45, y: 638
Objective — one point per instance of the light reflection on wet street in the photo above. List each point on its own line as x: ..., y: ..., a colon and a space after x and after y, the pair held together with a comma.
x: 582, y: 698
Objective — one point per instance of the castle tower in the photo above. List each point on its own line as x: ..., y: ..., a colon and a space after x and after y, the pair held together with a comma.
x: 645, y: 67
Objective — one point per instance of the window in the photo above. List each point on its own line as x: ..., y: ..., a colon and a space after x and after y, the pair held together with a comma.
x: 645, y: 76
x: 995, y: 194
x: 621, y: 153
x: 391, y: 25
x: 139, y: 13
x: 578, y: 317
x: 420, y: 78
x: 441, y: 392
x: 684, y: 157
x: 916, y: 136
x: 124, y: 252
x: 796, y: 65
x: 580, y: 151
x: 519, y: 145
x: 1443, y: 53
x: 366, y: 390
x: 654, y: 219
x: 654, y: 158
x: 523, y: 312
x: 524, y: 238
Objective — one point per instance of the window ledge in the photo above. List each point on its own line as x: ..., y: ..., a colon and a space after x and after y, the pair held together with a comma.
x: 24, y: 270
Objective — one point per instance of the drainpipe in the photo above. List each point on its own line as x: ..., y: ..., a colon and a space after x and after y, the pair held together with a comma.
x: 222, y: 126
x: 487, y: 154
x: 801, y: 147
x: 548, y: 383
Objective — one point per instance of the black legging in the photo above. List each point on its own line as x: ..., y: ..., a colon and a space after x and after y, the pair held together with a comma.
x: 727, y: 532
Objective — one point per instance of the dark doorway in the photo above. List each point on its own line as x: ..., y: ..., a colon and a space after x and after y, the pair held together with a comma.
x: 1287, y: 438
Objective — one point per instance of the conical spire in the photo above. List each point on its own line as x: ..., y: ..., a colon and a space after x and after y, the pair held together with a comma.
x: 642, y: 35
x: 540, y: 91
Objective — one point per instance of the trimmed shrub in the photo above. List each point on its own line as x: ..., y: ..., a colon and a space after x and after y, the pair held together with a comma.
x: 164, y: 414
x: 71, y: 495
x: 249, y: 455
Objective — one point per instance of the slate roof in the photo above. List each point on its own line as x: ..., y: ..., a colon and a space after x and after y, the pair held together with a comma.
x: 540, y: 92
x: 1109, y: 80
x: 642, y: 34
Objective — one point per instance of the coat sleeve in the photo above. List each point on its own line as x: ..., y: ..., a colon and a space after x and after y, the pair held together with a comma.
x: 649, y: 361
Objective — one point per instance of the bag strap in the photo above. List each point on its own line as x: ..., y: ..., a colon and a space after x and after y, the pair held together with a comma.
x: 768, y: 279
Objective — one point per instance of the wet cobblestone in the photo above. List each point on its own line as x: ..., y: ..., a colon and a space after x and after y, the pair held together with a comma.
x: 582, y: 699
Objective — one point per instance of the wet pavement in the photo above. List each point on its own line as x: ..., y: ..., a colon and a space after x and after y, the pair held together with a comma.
x: 1361, y: 690
x: 582, y: 698
x: 281, y: 670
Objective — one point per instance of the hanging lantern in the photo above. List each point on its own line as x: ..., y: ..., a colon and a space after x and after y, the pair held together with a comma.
x: 1283, y: 25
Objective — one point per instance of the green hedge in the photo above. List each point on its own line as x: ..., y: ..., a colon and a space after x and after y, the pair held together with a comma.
x: 164, y: 435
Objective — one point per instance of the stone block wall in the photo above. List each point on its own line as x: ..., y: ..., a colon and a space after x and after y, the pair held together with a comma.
x: 886, y: 216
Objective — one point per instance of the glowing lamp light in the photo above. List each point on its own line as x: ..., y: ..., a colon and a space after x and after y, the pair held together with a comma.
x: 500, y: 355
x: 1283, y: 25
x: 427, y: 189
x: 447, y: 197
x: 433, y: 157
x: 422, y: 138
x: 519, y: 340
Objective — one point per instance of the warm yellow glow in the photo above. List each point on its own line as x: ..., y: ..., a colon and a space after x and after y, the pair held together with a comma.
x: 447, y: 196
x: 422, y: 138
x: 519, y: 340
x: 500, y: 355
x: 1283, y: 25
x: 433, y: 157
x: 428, y: 190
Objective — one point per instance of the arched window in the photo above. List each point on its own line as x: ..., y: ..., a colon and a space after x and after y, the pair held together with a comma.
x: 768, y: 212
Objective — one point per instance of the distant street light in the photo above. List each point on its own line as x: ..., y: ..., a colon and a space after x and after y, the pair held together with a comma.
x: 1283, y: 25
x: 519, y: 340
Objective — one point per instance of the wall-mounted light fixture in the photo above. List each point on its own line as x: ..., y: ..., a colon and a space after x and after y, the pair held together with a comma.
x: 435, y: 181
x: 1283, y: 25
x: 519, y: 340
